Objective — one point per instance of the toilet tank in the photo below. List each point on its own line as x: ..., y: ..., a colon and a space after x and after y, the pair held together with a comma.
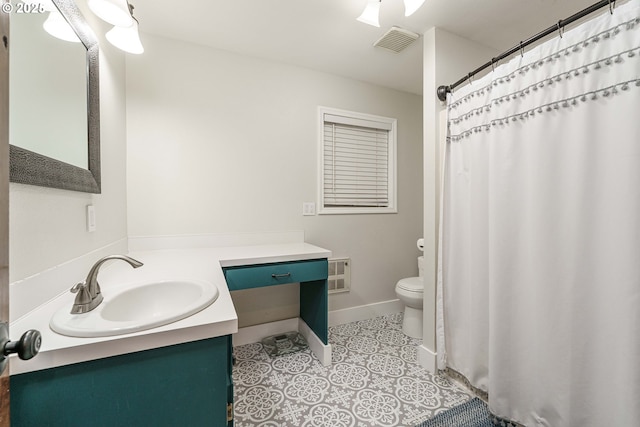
x: 420, y: 266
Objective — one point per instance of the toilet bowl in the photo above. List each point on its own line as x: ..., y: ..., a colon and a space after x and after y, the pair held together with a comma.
x: 410, y: 292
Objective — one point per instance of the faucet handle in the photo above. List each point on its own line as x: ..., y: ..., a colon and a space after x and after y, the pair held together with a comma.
x: 78, y: 286
x: 83, y: 296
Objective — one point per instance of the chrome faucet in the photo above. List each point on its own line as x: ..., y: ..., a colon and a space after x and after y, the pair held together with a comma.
x: 89, y: 296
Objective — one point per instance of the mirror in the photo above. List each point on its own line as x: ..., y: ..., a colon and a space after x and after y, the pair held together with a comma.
x: 55, y: 112
x: 53, y: 72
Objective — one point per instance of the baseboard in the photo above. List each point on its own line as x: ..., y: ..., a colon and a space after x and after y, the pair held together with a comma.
x: 427, y: 359
x: 364, y: 312
x: 256, y: 333
x: 320, y: 349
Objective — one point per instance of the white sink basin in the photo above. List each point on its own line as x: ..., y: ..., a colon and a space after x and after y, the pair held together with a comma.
x: 136, y: 307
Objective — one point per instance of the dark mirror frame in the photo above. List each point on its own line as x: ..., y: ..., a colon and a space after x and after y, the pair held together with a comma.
x: 28, y: 167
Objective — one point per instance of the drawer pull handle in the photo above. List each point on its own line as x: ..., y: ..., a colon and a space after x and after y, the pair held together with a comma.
x: 279, y: 276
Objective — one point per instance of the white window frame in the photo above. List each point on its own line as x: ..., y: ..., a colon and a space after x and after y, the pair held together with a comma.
x: 365, y: 120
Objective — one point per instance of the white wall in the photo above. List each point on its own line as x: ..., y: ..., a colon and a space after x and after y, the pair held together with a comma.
x: 447, y: 57
x: 221, y: 143
x: 47, y: 226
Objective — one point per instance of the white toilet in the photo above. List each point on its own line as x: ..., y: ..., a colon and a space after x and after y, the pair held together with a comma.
x: 411, y: 291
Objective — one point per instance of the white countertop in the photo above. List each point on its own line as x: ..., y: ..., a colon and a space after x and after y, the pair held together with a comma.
x: 218, y: 319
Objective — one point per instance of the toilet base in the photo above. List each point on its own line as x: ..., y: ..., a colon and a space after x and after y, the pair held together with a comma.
x: 412, y: 322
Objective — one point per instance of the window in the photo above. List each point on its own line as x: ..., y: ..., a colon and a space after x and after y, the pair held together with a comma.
x: 357, y: 156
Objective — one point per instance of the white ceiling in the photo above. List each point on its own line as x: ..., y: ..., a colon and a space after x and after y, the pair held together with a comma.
x: 324, y: 34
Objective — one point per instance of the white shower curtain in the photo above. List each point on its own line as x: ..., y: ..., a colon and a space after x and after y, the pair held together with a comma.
x: 539, y: 278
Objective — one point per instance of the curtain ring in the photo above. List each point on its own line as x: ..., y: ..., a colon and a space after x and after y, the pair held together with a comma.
x: 612, y: 5
x: 561, y: 27
x: 470, y: 78
x: 521, y: 50
x: 493, y: 67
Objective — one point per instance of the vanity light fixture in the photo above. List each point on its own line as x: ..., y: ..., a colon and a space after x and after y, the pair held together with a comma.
x: 411, y: 6
x: 58, y: 27
x: 126, y: 38
x: 115, y: 12
x: 124, y: 35
x: 371, y: 13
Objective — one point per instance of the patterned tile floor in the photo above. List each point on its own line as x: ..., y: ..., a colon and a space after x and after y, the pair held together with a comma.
x: 374, y: 380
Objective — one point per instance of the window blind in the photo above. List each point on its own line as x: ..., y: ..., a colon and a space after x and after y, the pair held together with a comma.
x: 356, y: 162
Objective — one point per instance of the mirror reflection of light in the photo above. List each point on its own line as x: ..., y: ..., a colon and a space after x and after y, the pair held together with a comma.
x: 58, y: 27
x: 126, y: 38
x: 115, y: 12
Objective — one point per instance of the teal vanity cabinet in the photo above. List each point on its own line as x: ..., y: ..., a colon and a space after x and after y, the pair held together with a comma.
x: 181, y: 385
x: 186, y: 385
x: 312, y: 276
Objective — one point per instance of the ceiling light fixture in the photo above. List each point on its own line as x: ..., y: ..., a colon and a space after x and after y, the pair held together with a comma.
x: 371, y: 13
x: 115, y: 12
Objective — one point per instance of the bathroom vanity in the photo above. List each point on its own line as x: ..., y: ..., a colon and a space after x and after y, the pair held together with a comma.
x: 187, y: 384
x: 176, y: 374
x: 312, y: 276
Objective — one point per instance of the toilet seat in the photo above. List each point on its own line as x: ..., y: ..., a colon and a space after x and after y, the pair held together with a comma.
x: 411, y: 284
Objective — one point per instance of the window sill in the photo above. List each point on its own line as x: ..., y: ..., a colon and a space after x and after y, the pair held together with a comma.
x: 352, y: 211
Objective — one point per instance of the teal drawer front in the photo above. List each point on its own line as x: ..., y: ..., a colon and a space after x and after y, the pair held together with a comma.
x: 255, y: 276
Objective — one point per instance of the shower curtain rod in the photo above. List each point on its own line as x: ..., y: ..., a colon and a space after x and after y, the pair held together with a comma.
x: 444, y: 90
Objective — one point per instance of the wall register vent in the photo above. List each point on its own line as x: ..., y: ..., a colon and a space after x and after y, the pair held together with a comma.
x: 339, y: 275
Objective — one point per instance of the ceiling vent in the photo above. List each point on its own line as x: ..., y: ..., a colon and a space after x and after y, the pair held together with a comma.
x: 396, y: 39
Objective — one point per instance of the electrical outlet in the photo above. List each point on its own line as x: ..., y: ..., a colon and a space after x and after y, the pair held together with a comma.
x: 308, y: 208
